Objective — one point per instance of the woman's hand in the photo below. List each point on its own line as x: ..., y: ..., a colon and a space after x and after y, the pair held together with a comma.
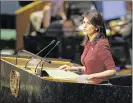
x: 72, y: 68
x: 90, y: 76
x: 85, y: 79
x: 64, y: 67
x: 82, y: 79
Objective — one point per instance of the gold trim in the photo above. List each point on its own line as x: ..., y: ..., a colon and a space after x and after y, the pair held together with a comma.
x: 25, y: 59
x: 14, y: 82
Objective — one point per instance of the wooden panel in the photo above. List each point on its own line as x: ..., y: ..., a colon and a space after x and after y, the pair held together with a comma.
x: 22, y: 62
x: 124, y: 71
x: 22, y: 19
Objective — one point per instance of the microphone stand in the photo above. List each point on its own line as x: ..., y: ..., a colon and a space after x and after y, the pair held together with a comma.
x: 45, y: 57
x: 35, y: 56
x: 16, y: 53
x: 40, y: 52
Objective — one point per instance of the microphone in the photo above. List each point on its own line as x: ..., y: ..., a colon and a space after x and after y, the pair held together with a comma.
x: 57, y: 43
x: 35, y: 55
x: 40, y: 51
x: 16, y: 53
x: 53, y: 41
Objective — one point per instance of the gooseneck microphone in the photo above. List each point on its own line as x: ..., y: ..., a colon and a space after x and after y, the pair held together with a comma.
x: 35, y: 55
x: 16, y: 53
x: 53, y: 41
x: 57, y: 43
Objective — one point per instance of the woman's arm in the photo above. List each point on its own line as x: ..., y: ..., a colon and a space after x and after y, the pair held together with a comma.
x: 81, y: 68
x: 106, y: 73
x: 73, y: 68
x: 105, y: 55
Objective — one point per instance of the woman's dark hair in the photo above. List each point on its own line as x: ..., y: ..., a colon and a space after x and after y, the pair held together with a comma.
x: 96, y: 19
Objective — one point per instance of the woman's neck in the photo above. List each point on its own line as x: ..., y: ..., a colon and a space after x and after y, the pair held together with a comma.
x: 91, y: 37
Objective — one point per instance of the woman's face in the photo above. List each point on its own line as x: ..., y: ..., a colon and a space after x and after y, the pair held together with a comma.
x: 88, y: 28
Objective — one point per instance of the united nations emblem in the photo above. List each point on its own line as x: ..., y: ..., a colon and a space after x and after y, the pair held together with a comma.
x: 14, y: 82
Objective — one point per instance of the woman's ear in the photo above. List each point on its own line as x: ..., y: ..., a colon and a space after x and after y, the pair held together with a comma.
x: 98, y: 29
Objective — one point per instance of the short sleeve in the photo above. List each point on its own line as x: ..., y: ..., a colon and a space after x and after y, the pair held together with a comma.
x: 104, y: 54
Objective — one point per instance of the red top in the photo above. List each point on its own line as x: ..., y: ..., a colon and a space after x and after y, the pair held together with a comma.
x: 97, y: 58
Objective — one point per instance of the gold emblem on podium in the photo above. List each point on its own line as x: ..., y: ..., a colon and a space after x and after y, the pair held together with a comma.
x: 14, y: 82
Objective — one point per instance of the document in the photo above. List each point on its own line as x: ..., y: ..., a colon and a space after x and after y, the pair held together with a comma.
x: 60, y: 74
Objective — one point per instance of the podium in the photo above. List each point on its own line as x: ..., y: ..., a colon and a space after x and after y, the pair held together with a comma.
x: 19, y: 85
